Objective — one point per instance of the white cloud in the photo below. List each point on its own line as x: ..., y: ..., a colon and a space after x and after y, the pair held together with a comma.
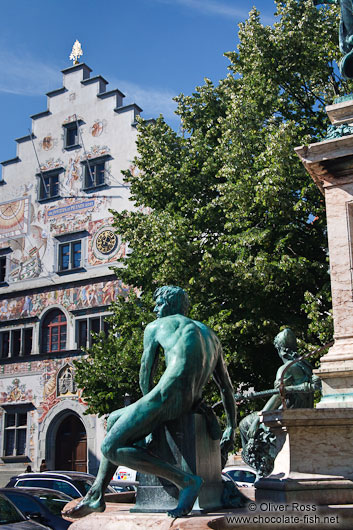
x: 154, y: 101
x: 22, y: 74
x: 208, y: 7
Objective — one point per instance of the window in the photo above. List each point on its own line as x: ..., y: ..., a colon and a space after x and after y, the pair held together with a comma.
x: 15, y: 434
x: 69, y: 255
x: 54, y: 331
x: 2, y: 268
x: 94, y: 172
x: 16, y: 342
x: 49, y: 185
x: 4, y: 344
x: 70, y: 135
x: 85, y: 326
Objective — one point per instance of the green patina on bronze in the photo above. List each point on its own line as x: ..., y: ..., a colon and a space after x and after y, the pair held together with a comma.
x: 258, y: 442
x: 345, y: 35
x: 193, y: 354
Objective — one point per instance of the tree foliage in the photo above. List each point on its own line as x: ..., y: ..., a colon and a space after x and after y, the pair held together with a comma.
x: 226, y: 209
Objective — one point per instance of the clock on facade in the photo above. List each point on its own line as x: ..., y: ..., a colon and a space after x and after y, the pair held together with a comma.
x: 105, y: 242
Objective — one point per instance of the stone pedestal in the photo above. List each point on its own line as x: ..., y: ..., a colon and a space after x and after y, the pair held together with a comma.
x: 186, y: 444
x: 330, y: 163
x: 315, y: 461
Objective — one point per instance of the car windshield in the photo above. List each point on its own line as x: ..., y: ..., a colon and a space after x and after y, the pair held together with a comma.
x: 83, y: 485
x: 241, y: 475
x: 54, y: 503
x: 8, y: 513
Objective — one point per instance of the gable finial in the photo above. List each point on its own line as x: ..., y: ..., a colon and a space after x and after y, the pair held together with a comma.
x: 76, y: 52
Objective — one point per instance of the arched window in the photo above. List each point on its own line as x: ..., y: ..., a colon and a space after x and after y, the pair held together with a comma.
x: 54, y: 331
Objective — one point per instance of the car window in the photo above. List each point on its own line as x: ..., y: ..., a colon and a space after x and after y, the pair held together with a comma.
x: 53, y: 503
x: 236, y: 474
x: 36, y: 483
x: 83, y: 485
x: 66, y: 487
x: 249, y: 477
x: 8, y: 513
x: 27, y: 505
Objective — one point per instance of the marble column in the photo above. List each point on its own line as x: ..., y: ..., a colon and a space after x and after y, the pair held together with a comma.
x: 330, y: 163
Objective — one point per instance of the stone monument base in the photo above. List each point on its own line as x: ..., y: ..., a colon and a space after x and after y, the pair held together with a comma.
x: 315, y: 460
x: 185, y: 443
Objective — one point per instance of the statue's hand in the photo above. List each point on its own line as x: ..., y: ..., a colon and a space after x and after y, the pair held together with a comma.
x: 227, y: 442
x: 254, y: 427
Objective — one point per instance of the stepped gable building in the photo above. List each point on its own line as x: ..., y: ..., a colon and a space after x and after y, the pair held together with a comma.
x: 56, y: 246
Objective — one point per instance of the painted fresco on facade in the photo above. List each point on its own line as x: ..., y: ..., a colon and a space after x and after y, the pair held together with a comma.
x: 51, y: 163
x: 14, y: 217
x: 98, y: 150
x: 48, y: 143
x: 27, y: 261
x: 15, y: 393
x: 98, y: 127
x: 72, y: 118
x: 93, y: 295
x: 72, y: 173
x: 55, y: 377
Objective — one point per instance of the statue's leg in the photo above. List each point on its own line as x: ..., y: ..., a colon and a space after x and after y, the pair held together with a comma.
x: 244, y: 427
x: 94, y: 499
x: 118, y: 447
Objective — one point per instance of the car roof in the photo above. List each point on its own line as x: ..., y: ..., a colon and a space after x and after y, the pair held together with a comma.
x: 240, y: 468
x: 36, y: 491
x: 55, y: 474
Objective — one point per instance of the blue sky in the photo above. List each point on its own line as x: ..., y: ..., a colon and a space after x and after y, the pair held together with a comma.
x: 150, y: 49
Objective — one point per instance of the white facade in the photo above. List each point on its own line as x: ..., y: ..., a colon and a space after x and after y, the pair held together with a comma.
x: 56, y: 246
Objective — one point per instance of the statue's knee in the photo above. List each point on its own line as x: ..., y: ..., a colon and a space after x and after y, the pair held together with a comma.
x: 107, y: 449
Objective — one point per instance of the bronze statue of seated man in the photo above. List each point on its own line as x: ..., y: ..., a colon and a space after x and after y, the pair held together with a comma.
x: 193, y: 354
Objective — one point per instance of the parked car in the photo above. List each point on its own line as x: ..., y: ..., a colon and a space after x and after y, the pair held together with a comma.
x: 40, y: 504
x: 243, y: 476
x: 12, y: 519
x: 123, y: 485
x: 73, y: 483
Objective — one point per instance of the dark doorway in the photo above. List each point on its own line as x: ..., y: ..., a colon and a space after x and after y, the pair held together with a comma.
x: 71, y: 445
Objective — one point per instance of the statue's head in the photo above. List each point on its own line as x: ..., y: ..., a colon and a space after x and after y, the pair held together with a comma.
x: 286, y: 344
x: 170, y: 300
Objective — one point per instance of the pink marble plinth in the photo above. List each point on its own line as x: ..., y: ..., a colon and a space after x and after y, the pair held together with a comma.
x: 118, y: 517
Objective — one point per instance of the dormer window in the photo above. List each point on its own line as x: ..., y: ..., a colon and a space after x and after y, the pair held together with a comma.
x: 4, y: 264
x: 71, y: 138
x: 2, y: 269
x: 94, y: 173
x: 49, y: 184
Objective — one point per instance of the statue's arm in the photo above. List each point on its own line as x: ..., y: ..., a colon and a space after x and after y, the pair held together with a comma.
x: 148, y: 360
x: 222, y: 380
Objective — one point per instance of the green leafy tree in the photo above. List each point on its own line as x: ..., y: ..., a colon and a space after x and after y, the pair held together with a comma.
x: 226, y: 209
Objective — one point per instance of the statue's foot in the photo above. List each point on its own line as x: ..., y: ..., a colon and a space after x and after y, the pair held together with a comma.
x: 187, y: 497
x: 85, y: 507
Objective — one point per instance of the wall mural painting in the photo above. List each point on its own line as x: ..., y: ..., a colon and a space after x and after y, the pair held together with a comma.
x: 93, y: 295
x: 48, y: 142
x: 27, y: 262
x: 57, y: 381
x: 14, y: 218
x: 72, y: 175
x: 15, y: 393
x: 97, y: 150
x: 72, y: 118
x: 98, y: 127
x: 104, y: 245
x: 51, y: 164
